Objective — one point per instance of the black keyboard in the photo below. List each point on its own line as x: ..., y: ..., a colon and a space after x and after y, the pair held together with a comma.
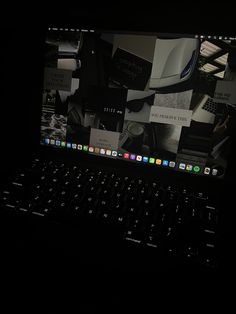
x: 172, y: 219
x: 210, y: 106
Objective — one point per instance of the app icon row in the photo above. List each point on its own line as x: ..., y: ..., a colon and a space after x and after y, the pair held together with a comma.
x: 197, y: 169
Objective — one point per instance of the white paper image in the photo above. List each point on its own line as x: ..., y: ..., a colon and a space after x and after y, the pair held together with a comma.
x: 225, y: 92
x: 57, y: 79
x: 171, y: 116
x: 180, y: 100
x: 104, y: 139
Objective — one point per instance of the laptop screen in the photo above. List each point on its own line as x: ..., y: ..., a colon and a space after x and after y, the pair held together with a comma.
x: 166, y: 100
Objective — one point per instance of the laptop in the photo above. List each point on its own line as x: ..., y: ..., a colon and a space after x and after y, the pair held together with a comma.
x: 123, y: 146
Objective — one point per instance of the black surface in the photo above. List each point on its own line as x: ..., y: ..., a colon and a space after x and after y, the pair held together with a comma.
x: 89, y: 281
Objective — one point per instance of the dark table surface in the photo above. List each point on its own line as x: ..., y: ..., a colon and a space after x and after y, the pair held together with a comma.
x: 48, y: 263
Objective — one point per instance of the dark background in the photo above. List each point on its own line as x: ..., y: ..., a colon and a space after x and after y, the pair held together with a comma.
x: 63, y: 280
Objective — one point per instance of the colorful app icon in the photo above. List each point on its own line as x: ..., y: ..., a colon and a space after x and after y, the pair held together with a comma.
x: 80, y: 147
x: 102, y: 151
x: 189, y: 167
x: 151, y: 160
x: 158, y: 162
x: 214, y: 172
x: 108, y: 152
x: 145, y: 159
x: 74, y: 146
x: 85, y: 148
x: 126, y: 155
x: 68, y: 145
x: 46, y: 141
x: 63, y: 144
x: 114, y: 153
x: 165, y: 163
x: 52, y: 142
x: 182, y: 166
x: 132, y: 157
x: 58, y: 143
x: 91, y: 149
x: 97, y: 150
x: 207, y: 170
x: 171, y: 164
x: 196, y: 169
x: 139, y: 158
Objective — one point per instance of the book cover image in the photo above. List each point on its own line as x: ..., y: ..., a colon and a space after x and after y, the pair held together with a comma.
x: 129, y: 70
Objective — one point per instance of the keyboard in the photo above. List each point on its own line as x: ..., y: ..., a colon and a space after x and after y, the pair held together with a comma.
x: 210, y: 106
x: 173, y: 220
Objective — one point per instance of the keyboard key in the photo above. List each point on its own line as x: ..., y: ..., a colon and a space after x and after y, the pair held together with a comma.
x: 134, y: 236
x: 26, y: 206
x: 119, y: 220
x: 191, y: 252
x: 76, y: 209
x: 154, y: 240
